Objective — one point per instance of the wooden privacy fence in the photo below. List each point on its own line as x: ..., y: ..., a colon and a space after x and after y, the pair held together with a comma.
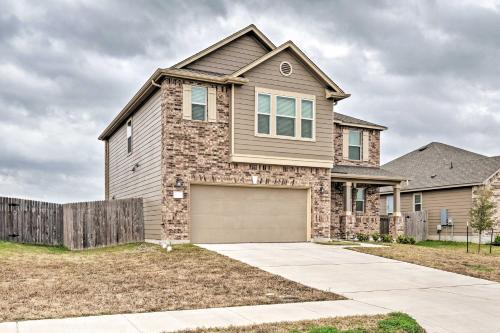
x: 75, y: 225
x: 28, y: 221
x: 416, y: 224
x: 101, y: 223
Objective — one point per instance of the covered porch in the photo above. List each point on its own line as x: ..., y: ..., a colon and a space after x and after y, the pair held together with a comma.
x: 355, y: 201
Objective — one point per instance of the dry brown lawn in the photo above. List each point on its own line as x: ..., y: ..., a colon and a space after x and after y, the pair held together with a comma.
x: 41, y: 282
x: 451, y: 258
x: 369, y: 323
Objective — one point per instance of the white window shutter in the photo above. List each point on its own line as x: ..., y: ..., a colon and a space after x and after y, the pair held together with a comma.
x: 366, y: 145
x: 345, y: 143
x: 186, y: 101
x: 212, y: 104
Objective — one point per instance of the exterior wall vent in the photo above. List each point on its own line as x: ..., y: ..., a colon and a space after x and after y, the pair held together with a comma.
x: 286, y: 68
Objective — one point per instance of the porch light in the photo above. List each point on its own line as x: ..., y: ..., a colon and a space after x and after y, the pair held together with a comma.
x: 321, y: 189
x: 179, y: 182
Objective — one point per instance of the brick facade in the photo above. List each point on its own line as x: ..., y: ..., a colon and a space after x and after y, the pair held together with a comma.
x: 196, y: 151
x: 374, y: 150
x: 367, y: 222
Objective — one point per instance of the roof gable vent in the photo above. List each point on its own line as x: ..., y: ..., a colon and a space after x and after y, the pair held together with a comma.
x: 286, y: 68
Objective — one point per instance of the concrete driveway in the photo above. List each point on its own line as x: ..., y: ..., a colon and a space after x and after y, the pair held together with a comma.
x: 440, y: 301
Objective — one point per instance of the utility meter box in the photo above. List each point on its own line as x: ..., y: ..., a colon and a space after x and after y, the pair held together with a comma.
x: 444, y: 216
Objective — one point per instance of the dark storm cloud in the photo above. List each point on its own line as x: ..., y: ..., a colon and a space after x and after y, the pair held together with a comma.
x: 427, y: 69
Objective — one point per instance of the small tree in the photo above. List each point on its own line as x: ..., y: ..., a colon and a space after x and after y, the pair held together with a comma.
x: 481, y: 213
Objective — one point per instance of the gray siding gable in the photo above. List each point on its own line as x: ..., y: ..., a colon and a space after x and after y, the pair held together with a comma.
x: 231, y: 57
x: 267, y: 75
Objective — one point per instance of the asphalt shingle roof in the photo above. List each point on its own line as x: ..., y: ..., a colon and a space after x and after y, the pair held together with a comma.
x: 342, y: 118
x: 364, y: 171
x: 439, y: 165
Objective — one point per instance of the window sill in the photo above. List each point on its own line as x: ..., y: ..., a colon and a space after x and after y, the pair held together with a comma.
x: 349, y: 160
x: 284, y: 137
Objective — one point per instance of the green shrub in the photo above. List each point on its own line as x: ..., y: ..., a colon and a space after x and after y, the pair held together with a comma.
x: 376, y: 237
x: 405, y: 239
x: 386, y: 238
x: 362, y: 237
x: 496, y: 242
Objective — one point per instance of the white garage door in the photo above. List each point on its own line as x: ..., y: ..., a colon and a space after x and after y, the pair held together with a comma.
x: 230, y: 214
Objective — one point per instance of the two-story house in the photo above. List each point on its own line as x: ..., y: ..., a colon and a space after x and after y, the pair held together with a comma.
x: 237, y: 143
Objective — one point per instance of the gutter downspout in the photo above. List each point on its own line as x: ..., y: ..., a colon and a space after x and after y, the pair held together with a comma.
x: 155, y: 84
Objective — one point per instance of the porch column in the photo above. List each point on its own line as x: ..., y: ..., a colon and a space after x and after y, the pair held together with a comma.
x: 348, y: 198
x: 397, y: 200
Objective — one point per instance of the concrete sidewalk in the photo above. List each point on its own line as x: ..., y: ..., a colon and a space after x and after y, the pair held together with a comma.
x: 171, y: 321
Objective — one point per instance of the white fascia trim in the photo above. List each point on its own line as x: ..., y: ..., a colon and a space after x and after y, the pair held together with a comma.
x: 261, y: 159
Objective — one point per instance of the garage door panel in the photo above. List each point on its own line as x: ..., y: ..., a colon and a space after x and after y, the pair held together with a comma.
x: 230, y: 214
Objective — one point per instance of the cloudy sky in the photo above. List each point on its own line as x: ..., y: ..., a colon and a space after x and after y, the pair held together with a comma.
x: 429, y: 70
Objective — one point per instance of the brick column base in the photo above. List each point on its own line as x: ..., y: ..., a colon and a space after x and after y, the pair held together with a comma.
x: 347, y: 226
x: 396, y: 226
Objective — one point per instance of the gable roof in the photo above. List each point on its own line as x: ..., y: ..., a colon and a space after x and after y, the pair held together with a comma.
x: 336, y: 94
x: 179, y: 71
x: 151, y: 85
x: 438, y: 165
x: 346, y: 120
x: 249, y: 29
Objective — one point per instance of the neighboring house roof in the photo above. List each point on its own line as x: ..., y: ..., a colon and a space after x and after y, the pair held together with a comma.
x: 345, y: 120
x: 337, y: 93
x: 369, y: 173
x: 179, y: 71
x: 438, y: 165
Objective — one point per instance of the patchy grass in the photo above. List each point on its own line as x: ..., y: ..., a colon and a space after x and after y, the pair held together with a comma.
x: 448, y: 256
x: 337, y: 242
x: 391, y: 323
x: 51, y: 282
x: 485, y: 248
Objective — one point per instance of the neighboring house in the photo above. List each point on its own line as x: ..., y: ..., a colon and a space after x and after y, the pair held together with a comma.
x: 237, y: 143
x: 442, y: 180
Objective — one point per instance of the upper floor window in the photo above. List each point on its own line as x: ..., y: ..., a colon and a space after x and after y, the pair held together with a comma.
x: 355, y: 145
x: 198, y: 103
x: 307, y: 118
x: 417, y: 202
x: 284, y: 115
x: 360, y: 200
x: 264, y: 114
x: 129, y: 136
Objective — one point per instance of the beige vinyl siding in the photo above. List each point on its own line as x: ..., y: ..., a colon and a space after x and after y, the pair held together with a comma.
x: 267, y: 75
x: 458, y: 201
x: 145, y: 182
x: 231, y: 57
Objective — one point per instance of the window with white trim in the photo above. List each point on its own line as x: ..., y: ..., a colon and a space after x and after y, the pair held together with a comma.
x: 284, y: 115
x: 306, y: 118
x: 355, y: 145
x: 360, y: 200
x: 129, y: 136
x: 198, y: 103
x: 389, y: 204
x: 264, y: 114
x: 417, y: 202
